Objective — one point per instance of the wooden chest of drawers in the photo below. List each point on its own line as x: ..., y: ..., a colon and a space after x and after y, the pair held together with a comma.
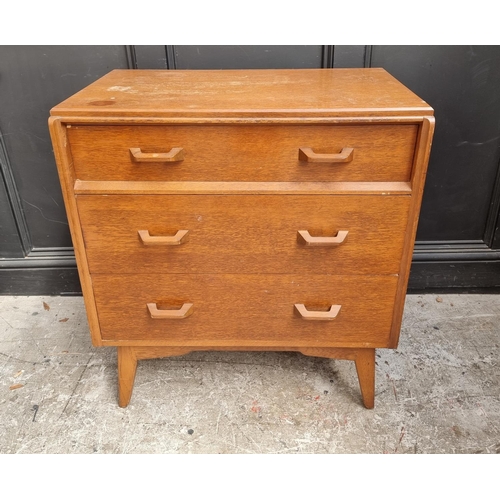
x: 243, y: 210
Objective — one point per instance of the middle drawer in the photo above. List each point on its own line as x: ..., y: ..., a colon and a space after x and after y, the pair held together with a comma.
x: 265, y: 234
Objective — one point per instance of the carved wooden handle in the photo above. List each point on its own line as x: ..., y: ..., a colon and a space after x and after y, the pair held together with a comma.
x: 307, y: 154
x: 175, y: 154
x: 178, y: 239
x: 185, y: 311
x: 317, y: 315
x: 304, y: 238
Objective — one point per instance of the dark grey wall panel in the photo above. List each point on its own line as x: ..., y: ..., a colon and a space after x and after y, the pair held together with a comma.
x: 10, y: 242
x: 149, y: 56
x: 463, y: 85
x: 351, y: 56
x: 247, y: 56
x: 32, y: 80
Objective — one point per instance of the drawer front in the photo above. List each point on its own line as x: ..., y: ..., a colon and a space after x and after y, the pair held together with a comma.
x: 244, y: 233
x: 243, y: 152
x: 245, y: 310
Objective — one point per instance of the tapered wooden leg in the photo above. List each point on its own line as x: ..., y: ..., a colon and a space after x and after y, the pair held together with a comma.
x: 127, y: 367
x: 365, y: 366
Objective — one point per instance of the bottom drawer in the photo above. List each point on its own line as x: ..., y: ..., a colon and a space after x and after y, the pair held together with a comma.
x: 246, y: 310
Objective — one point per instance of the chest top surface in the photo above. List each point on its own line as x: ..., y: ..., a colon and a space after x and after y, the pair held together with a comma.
x: 247, y: 93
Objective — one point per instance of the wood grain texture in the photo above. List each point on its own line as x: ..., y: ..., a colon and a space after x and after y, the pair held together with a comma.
x: 67, y: 179
x: 240, y: 189
x: 266, y: 93
x: 243, y: 152
x: 253, y: 310
x: 127, y: 367
x: 244, y: 233
x: 418, y: 181
x: 152, y: 187
x: 365, y: 367
x: 246, y: 119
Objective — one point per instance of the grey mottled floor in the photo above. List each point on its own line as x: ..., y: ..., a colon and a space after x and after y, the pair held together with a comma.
x: 438, y: 393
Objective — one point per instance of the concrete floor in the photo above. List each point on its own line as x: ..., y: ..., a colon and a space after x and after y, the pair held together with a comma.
x: 438, y: 393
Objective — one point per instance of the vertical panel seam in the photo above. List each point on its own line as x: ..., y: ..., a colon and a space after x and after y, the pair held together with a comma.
x: 14, y: 199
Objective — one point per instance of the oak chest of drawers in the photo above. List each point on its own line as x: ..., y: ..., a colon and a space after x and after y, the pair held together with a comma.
x: 243, y: 210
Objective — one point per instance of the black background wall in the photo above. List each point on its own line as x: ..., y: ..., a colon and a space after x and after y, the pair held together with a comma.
x: 458, y: 239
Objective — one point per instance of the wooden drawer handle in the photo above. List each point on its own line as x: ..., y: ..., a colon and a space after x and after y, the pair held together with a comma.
x: 304, y: 238
x: 175, y: 154
x: 178, y: 239
x: 185, y: 311
x: 317, y: 315
x: 307, y: 154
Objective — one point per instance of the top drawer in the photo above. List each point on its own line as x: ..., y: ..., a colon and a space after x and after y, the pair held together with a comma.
x: 245, y: 153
